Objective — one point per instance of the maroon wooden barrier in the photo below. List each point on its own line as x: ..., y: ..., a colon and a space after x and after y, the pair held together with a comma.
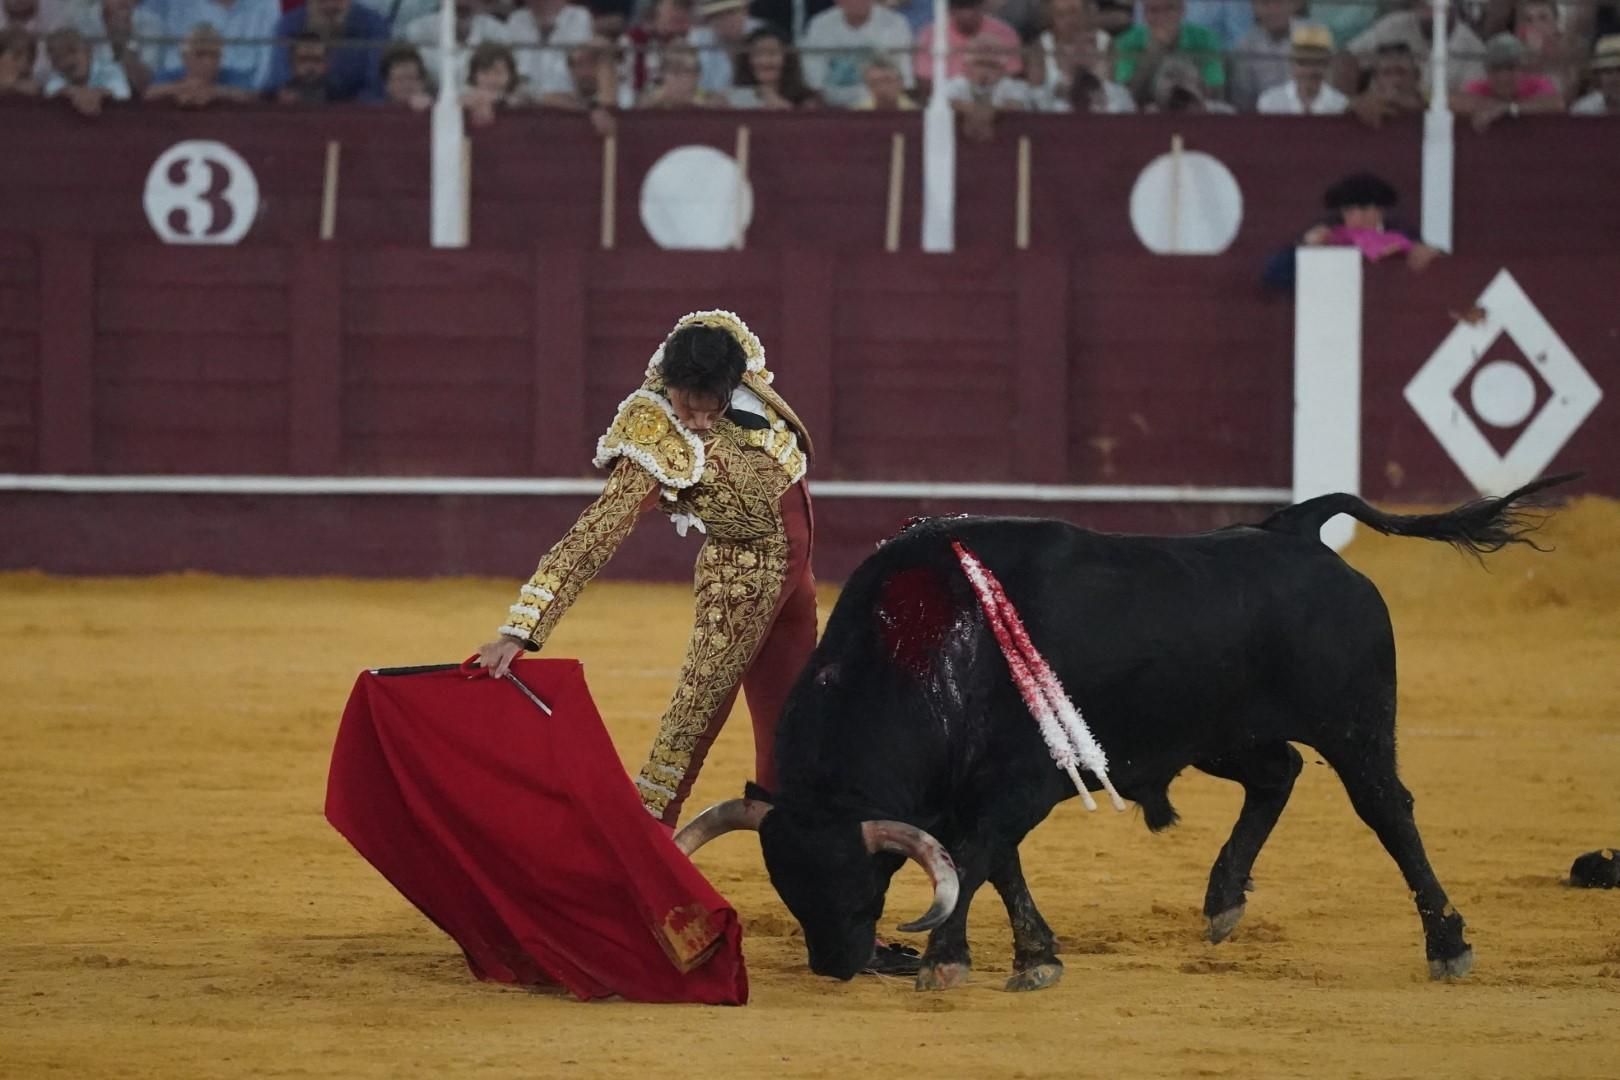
x: 820, y: 181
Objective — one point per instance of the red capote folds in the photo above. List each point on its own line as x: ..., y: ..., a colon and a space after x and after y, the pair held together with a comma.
x: 522, y: 837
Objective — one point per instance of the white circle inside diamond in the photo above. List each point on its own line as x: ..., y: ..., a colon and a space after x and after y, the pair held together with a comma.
x: 1503, y: 394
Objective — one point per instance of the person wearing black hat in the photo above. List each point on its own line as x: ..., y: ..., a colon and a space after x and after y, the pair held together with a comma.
x: 1359, y: 215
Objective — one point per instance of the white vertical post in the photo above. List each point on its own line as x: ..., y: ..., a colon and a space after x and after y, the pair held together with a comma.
x: 448, y: 213
x: 1327, y: 379
x: 939, y: 149
x: 1439, y: 153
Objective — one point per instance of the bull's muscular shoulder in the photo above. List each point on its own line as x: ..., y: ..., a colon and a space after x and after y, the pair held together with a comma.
x: 646, y: 431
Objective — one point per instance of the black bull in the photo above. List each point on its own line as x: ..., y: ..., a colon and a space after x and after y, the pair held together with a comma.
x: 1214, y: 651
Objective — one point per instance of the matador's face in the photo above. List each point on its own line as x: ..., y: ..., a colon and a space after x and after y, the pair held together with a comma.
x: 696, y: 412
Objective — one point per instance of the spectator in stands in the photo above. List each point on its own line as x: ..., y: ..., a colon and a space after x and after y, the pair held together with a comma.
x: 306, y: 85
x: 1114, y: 17
x: 1307, y: 92
x: 1165, y: 33
x: 128, y: 37
x: 472, y: 28
x: 1604, y: 100
x: 983, y: 90
x: 1228, y: 20
x: 836, y: 42
x: 404, y: 78
x: 353, y: 66
x: 1507, y: 91
x: 77, y: 78
x: 1067, y: 24
x: 1260, y: 59
x: 17, y: 61
x: 720, y: 40
x: 1415, y: 29
x: 668, y: 22
x: 1349, y: 19
x: 246, y: 25
x: 792, y: 16
x: 1178, y: 87
x: 679, y: 83
x: 594, y: 68
x: 1548, y: 50
x: 39, y: 18
x: 492, y: 84
x: 967, y: 25
x: 542, y: 33
x: 201, y: 79
x: 885, y: 87
x: 1079, y: 88
x: 1393, y: 90
x: 768, y: 75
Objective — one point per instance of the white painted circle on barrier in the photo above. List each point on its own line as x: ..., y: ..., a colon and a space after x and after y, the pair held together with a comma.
x: 1190, y: 207
x: 690, y: 200
x: 201, y: 192
x: 1503, y: 394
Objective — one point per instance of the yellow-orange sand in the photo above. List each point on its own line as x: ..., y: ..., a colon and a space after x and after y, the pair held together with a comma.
x: 172, y: 903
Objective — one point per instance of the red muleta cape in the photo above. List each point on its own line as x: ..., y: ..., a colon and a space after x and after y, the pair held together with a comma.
x: 521, y: 836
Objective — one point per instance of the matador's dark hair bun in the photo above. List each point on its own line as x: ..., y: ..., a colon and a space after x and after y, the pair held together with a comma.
x: 703, y: 360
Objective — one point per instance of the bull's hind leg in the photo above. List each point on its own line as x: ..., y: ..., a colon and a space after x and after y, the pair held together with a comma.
x: 1367, y: 769
x: 1035, y: 960
x: 1267, y: 773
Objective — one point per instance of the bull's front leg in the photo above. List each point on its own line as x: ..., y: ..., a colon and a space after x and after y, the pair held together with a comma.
x: 1035, y: 960
x: 946, y: 962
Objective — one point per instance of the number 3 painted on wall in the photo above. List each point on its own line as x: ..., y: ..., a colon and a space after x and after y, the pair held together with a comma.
x: 201, y: 192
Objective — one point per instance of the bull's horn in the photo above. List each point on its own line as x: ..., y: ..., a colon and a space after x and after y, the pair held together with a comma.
x: 719, y: 819
x: 930, y: 854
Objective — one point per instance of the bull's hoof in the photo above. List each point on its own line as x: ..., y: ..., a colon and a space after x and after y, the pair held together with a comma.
x: 1038, y: 977
x: 1222, y: 925
x: 1454, y: 968
x: 942, y: 976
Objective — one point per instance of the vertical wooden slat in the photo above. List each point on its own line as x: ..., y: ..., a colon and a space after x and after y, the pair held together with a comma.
x: 67, y: 339
x: 1041, y: 413
x: 561, y: 446
x: 315, y: 363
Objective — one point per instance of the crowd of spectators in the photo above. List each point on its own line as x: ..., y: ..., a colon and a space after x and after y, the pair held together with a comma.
x: 1507, y: 59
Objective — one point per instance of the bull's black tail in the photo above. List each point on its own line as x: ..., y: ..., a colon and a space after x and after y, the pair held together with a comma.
x: 1481, y: 526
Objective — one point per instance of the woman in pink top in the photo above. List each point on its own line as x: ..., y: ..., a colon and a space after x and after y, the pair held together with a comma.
x: 1507, y: 90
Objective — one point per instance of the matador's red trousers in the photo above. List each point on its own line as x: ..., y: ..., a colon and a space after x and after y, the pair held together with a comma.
x: 781, y: 643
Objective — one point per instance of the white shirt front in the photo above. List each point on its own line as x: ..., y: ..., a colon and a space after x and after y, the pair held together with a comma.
x: 1005, y: 93
x: 1590, y: 105
x: 839, y: 75
x: 146, y: 27
x: 105, y: 75
x: 1284, y: 100
x: 545, y: 71
x: 423, y: 32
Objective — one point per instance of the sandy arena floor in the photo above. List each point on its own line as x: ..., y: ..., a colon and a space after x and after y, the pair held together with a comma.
x: 173, y: 904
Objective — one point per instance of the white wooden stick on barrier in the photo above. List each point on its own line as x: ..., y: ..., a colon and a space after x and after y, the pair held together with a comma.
x: 329, y: 189
x: 610, y: 189
x: 1327, y: 379
x: 897, y: 179
x: 1021, y: 224
x: 739, y: 225
x: 448, y: 213
x: 1175, y: 194
x: 1439, y: 147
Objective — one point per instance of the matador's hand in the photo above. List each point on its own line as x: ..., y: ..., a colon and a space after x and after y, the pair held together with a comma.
x: 497, y: 656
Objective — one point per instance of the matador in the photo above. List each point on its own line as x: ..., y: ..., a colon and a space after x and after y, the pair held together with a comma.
x: 708, y: 441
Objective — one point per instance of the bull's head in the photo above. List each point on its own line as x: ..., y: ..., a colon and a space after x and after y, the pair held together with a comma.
x: 828, y: 874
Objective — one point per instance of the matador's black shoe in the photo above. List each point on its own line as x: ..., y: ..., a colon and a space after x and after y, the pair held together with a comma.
x: 893, y: 958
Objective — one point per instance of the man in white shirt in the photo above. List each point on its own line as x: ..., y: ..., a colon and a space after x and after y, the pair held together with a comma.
x: 1307, y: 93
x: 1414, y: 29
x: 549, y: 29
x: 1260, y: 58
x: 723, y: 35
x: 837, y: 43
x: 473, y: 28
x: 38, y: 17
x: 1605, y: 100
x: 77, y: 77
x: 128, y: 37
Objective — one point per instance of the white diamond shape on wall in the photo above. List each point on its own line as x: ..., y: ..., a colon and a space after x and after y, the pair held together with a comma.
x: 1498, y: 394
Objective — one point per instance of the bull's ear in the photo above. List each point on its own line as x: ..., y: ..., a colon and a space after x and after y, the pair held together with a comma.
x: 752, y: 790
